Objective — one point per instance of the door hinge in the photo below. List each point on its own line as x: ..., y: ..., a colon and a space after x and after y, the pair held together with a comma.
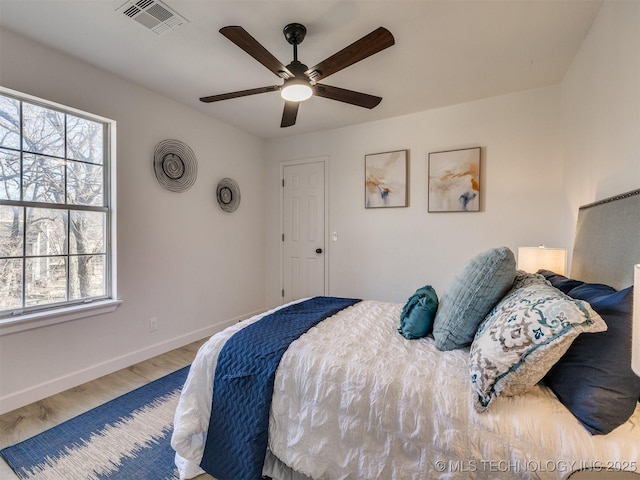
x: 283, y: 182
x: 283, y: 237
x: 283, y: 293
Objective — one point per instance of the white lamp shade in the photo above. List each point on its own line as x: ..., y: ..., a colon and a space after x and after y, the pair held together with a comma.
x: 296, y: 90
x: 635, y: 346
x: 532, y: 259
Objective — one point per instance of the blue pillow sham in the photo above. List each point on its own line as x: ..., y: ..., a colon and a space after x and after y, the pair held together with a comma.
x: 473, y: 293
x: 562, y: 283
x: 594, y: 379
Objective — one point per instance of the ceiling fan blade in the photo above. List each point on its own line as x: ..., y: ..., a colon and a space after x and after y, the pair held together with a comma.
x: 241, y: 93
x: 368, y: 45
x: 289, y: 114
x: 348, y: 96
x: 246, y: 42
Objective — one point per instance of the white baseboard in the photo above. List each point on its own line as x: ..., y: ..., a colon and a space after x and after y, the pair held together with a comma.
x: 51, y: 387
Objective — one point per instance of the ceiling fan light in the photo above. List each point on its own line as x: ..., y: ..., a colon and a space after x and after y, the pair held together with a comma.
x: 296, y: 90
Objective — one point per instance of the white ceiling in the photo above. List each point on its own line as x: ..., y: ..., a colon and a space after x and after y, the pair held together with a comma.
x: 445, y: 52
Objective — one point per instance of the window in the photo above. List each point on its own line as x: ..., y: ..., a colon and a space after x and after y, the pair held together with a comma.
x: 56, y: 207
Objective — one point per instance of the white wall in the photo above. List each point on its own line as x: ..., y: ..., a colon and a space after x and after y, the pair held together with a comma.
x: 545, y: 153
x: 601, y: 111
x: 386, y: 254
x: 181, y: 259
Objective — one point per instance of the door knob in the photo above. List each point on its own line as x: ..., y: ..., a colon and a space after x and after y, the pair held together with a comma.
x: 318, y: 250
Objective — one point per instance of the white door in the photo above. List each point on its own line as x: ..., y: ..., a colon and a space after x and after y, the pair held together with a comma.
x: 303, y: 231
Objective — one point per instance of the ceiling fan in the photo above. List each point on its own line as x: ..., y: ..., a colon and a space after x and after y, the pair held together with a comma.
x: 301, y: 82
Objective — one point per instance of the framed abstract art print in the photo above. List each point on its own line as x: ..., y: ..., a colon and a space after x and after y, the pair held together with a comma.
x: 454, y: 180
x: 386, y: 179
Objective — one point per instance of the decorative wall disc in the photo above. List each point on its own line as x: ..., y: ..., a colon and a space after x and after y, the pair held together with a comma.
x: 175, y: 165
x: 228, y: 194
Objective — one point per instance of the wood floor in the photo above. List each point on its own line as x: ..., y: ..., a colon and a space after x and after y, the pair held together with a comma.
x: 30, y: 420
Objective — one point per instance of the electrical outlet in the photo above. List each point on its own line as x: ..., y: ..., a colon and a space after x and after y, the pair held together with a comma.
x: 153, y: 324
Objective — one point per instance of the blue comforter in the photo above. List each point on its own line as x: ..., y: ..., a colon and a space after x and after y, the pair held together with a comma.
x: 243, y: 385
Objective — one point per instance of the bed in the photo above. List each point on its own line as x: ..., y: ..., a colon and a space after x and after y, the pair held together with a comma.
x: 360, y: 395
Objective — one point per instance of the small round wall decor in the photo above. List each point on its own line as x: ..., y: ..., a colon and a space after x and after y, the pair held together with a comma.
x: 228, y: 194
x: 175, y: 165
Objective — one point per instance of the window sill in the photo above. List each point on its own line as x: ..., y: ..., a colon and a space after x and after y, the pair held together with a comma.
x: 43, y: 319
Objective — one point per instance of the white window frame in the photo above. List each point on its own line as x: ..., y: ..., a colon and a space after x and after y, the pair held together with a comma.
x: 64, y: 313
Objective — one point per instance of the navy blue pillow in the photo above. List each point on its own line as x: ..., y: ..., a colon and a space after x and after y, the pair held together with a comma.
x: 562, y: 283
x: 594, y: 379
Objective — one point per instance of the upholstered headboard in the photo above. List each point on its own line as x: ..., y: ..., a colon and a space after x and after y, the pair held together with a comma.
x: 607, y: 242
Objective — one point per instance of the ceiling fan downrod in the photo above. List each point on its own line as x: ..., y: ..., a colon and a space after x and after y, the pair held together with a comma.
x: 299, y: 88
x: 295, y: 33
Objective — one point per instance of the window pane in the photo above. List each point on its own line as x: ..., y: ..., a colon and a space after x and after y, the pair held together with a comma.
x: 9, y: 174
x: 84, y: 140
x: 9, y: 122
x: 43, y: 179
x: 46, y: 232
x: 43, y: 130
x: 86, y: 276
x: 10, y: 283
x: 54, y: 213
x: 85, y: 184
x: 11, y: 231
x: 87, y: 231
x: 46, y: 280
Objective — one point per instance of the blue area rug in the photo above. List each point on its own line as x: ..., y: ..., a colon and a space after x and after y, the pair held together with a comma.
x: 127, y: 438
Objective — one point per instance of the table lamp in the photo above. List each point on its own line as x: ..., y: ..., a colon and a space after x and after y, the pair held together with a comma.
x: 532, y: 259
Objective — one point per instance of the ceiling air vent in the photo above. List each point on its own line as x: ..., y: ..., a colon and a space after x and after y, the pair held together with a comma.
x: 154, y: 15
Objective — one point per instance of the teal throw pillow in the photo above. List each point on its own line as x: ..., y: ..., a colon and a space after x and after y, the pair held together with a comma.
x: 416, y: 319
x: 474, y: 292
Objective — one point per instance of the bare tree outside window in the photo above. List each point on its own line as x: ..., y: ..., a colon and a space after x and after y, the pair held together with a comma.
x: 54, y: 209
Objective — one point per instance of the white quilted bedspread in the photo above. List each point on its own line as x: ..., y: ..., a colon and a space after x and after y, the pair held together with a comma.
x: 353, y: 399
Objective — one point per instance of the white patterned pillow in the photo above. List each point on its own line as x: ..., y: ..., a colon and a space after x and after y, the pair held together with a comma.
x: 523, y: 337
x: 524, y: 279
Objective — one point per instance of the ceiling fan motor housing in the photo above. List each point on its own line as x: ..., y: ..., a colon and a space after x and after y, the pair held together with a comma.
x: 298, y: 68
